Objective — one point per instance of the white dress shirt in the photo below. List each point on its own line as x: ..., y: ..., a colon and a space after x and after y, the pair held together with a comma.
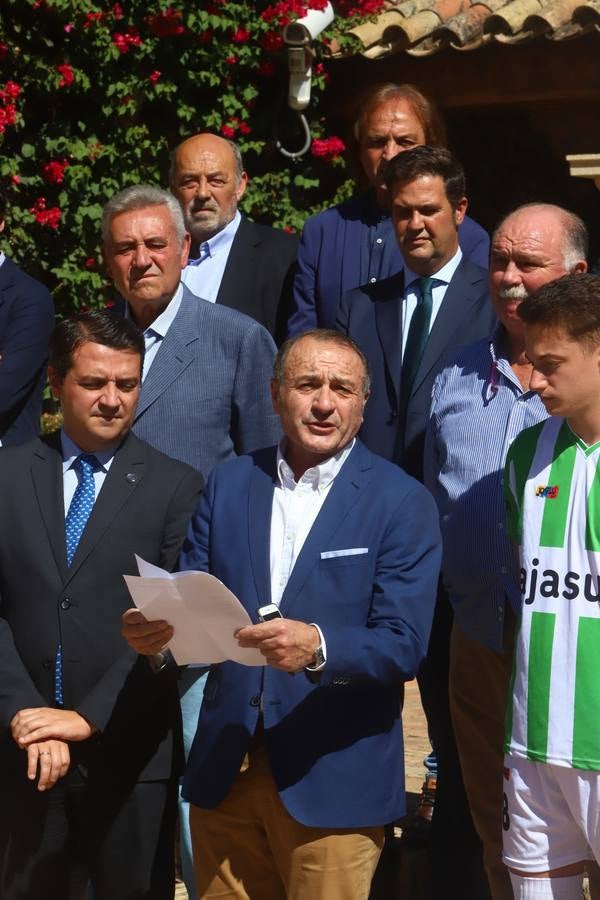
x: 296, y: 505
x: 203, y: 275
x: 412, y: 296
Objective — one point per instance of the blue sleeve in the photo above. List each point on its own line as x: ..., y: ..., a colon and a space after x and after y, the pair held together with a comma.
x: 24, y: 343
x: 474, y: 242
x: 303, y: 310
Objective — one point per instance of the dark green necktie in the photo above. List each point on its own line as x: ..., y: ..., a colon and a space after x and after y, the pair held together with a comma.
x: 418, y: 334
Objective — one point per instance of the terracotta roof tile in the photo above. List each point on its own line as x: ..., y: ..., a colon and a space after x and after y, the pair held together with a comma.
x: 423, y: 27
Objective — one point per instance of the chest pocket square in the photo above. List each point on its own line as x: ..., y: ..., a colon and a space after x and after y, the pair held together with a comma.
x: 351, y: 551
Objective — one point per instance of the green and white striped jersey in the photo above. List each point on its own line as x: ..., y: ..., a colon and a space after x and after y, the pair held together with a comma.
x: 552, y: 492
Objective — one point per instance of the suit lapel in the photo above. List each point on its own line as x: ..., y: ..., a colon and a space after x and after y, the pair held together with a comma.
x: 174, y: 355
x: 461, y: 295
x: 344, y: 493
x: 238, y: 270
x: 124, y: 477
x: 388, y: 321
x: 46, y: 472
x: 260, y: 505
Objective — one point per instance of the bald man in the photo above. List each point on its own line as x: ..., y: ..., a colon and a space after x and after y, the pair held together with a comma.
x: 233, y: 261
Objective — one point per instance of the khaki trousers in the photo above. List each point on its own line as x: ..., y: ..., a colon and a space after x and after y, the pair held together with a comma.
x: 478, y: 685
x: 250, y: 848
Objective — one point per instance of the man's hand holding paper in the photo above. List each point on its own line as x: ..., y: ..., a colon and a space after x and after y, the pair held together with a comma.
x: 191, y: 613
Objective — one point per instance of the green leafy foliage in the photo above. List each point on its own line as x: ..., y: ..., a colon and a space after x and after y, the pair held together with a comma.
x: 93, y: 95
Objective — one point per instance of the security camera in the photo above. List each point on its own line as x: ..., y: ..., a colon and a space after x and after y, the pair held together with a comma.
x: 306, y: 29
x: 299, y: 36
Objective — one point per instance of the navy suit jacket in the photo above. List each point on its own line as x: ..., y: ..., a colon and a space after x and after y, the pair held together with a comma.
x: 143, y: 507
x: 329, y: 259
x: 26, y: 321
x: 372, y: 316
x: 334, y: 741
x: 206, y: 395
x: 259, y: 274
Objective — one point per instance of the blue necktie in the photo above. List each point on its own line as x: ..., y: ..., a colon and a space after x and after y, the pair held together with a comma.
x: 75, y: 522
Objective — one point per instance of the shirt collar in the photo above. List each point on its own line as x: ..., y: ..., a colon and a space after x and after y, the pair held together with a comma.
x: 70, y: 452
x: 443, y: 275
x: 497, y: 342
x: 2, y: 257
x: 319, y: 476
x: 219, y: 241
x: 162, y: 323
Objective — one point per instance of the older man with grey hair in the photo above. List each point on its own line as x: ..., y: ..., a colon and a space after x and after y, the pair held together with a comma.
x: 205, y: 395
x: 480, y: 403
x: 233, y: 261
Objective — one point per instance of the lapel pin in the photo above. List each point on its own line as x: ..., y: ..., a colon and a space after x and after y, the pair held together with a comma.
x: 131, y: 478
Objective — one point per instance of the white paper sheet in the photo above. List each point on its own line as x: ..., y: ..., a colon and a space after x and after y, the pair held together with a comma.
x: 203, y: 612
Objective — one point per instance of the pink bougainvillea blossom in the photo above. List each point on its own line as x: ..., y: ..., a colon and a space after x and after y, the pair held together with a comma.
x: 43, y: 216
x: 166, y: 23
x: 67, y: 75
x: 240, y: 36
x: 327, y: 148
x: 54, y: 171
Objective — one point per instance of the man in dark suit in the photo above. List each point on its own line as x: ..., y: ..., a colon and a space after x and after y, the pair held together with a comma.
x: 407, y: 326
x: 233, y: 261
x: 95, y: 727
x: 26, y: 320
x: 353, y: 243
x: 292, y: 778
x: 427, y: 189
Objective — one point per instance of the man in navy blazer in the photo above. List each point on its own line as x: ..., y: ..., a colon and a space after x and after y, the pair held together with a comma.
x: 297, y: 764
x: 26, y: 321
x: 440, y: 298
x: 353, y: 243
x: 427, y: 189
x: 233, y: 261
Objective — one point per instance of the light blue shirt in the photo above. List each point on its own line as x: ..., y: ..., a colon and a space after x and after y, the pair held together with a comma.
x: 203, y: 275
x: 70, y: 452
x: 412, y: 295
x: 155, y: 333
x: 478, y: 408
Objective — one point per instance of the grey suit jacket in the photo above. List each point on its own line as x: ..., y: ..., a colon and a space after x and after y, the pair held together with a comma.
x: 206, y: 395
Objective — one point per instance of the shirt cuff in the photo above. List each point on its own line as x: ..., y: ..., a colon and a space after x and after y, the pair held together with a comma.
x: 323, y: 648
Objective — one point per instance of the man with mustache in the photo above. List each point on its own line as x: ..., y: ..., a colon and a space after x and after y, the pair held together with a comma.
x: 480, y: 403
x: 233, y: 261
